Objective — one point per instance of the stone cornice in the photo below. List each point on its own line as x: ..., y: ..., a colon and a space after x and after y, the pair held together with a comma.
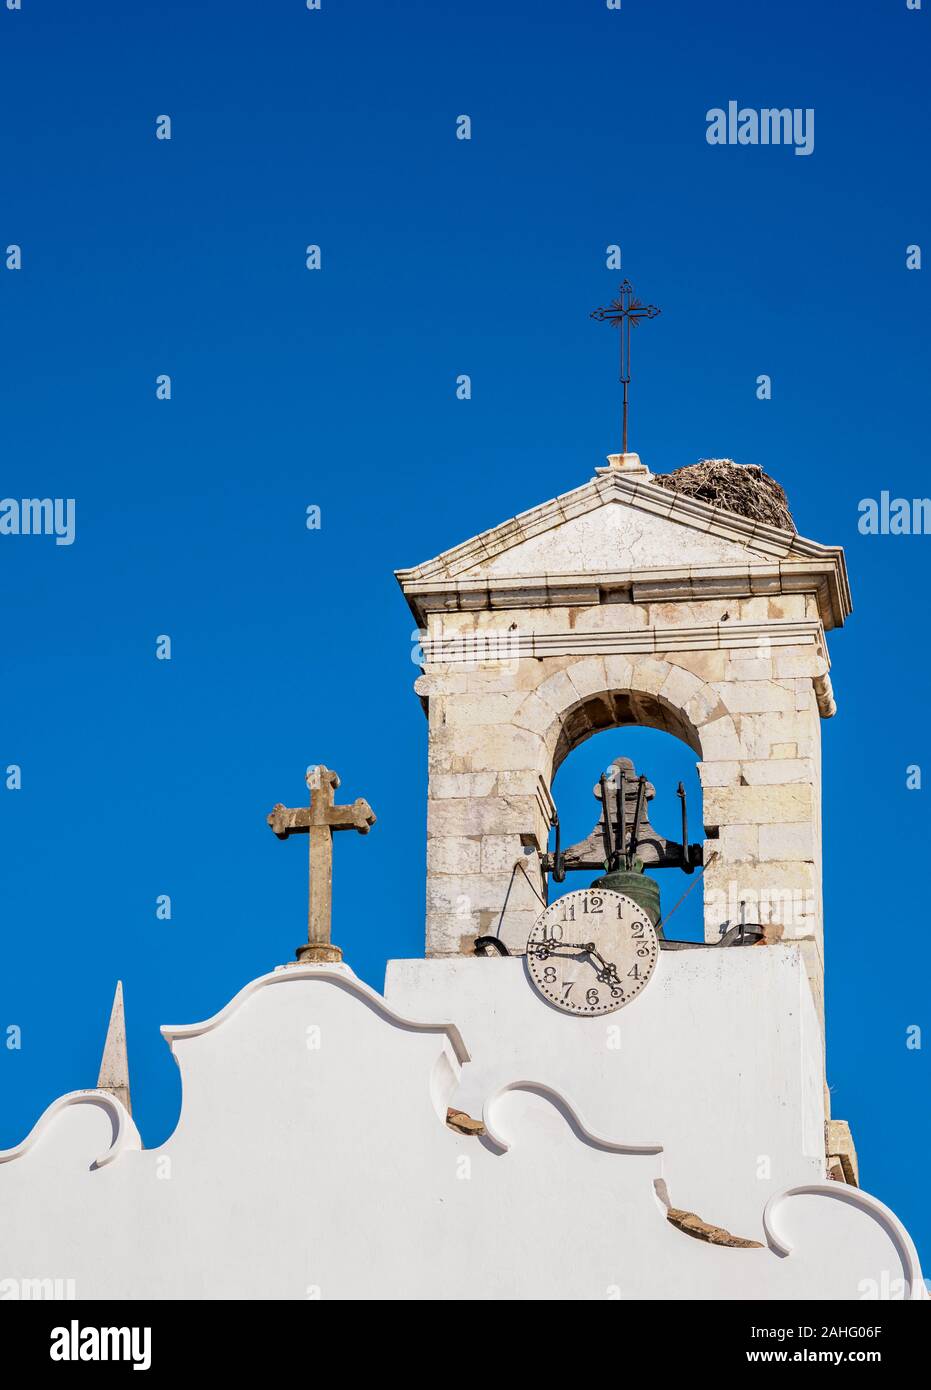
x: 686, y: 583
x: 452, y: 647
x: 777, y: 561
x: 452, y: 650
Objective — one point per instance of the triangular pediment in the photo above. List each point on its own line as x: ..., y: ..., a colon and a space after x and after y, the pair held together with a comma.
x: 619, y: 529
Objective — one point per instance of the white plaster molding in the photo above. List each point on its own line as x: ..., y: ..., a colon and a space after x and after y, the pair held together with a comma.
x: 326, y: 1169
x: 855, y: 1197
x: 125, y: 1133
x: 569, y: 1113
x: 340, y: 975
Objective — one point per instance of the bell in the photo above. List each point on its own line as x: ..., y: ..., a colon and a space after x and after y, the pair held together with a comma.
x: 623, y: 826
x: 623, y: 843
x: 635, y: 884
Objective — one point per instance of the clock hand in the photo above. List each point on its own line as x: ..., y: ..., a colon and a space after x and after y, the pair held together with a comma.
x: 544, y: 949
x: 588, y: 946
x: 607, y: 974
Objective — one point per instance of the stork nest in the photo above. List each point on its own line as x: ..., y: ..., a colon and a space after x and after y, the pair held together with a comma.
x: 737, y: 487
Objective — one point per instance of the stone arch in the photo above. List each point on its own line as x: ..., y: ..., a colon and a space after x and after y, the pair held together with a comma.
x: 596, y: 693
x: 496, y: 744
x: 616, y: 709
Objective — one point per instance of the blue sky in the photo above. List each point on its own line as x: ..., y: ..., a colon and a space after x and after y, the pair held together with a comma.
x: 337, y: 388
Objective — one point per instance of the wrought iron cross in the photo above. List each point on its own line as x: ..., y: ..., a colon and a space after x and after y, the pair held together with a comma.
x: 625, y: 312
x: 318, y: 821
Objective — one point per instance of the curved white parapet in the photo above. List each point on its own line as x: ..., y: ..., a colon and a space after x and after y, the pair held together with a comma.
x: 340, y: 975
x: 312, y: 1160
x: 569, y: 1113
x: 912, y: 1286
x: 125, y: 1133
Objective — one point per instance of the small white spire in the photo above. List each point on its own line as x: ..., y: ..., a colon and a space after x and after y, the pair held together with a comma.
x: 114, y: 1066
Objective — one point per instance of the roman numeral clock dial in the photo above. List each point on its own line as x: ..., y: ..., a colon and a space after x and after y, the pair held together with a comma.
x: 592, y: 951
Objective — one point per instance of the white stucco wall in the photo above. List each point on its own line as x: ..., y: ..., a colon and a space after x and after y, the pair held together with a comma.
x: 312, y: 1159
x: 721, y: 1056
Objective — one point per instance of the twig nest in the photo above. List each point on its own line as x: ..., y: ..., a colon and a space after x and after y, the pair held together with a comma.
x: 737, y: 487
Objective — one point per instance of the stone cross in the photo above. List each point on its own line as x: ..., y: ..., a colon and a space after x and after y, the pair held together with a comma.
x: 318, y: 821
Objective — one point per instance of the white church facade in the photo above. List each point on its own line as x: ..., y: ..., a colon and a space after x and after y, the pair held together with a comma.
x: 556, y: 1101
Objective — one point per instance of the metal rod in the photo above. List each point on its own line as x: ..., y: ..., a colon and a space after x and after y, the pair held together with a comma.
x: 622, y: 817
x: 686, y: 861
x: 625, y: 312
x: 638, y: 814
x: 558, y: 870
x: 606, y: 821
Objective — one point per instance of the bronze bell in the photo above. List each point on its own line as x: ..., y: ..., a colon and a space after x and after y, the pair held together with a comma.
x: 624, y: 843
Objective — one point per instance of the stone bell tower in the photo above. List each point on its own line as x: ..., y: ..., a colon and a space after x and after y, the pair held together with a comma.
x: 624, y: 602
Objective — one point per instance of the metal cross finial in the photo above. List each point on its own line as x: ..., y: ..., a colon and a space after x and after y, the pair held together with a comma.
x: 623, y: 312
x: 318, y: 821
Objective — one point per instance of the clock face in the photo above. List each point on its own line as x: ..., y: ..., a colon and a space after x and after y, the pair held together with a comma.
x: 591, y: 952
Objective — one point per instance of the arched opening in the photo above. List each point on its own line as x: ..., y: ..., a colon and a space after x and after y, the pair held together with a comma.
x: 614, y: 709
x: 663, y: 752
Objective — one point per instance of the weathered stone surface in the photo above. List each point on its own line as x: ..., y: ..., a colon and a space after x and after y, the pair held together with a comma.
x: 840, y: 1151
x: 489, y: 815
x: 588, y: 676
x: 319, y: 820
x: 709, y: 665
x: 454, y: 854
x: 523, y: 782
x: 465, y: 895
x: 757, y: 805
x: 786, y: 894
x: 698, y: 613
x: 619, y: 672
x: 649, y: 674
x: 114, y: 1064
x: 759, y: 732
x: 499, y: 853
x: 679, y: 686
x: 773, y: 771
x: 482, y: 709
x: 608, y: 617
x: 737, y: 842
x: 791, y: 840
x: 471, y: 784
x: 791, y: 606
x: 749, y: 668
x: 719, y: 774
x: 797, y: 662
x: 507, y: 749
x: 703, y: 709
x: 463, y: 1123
x: 534, y: 714
x: 693, y: 1225
x: 754, y: 697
